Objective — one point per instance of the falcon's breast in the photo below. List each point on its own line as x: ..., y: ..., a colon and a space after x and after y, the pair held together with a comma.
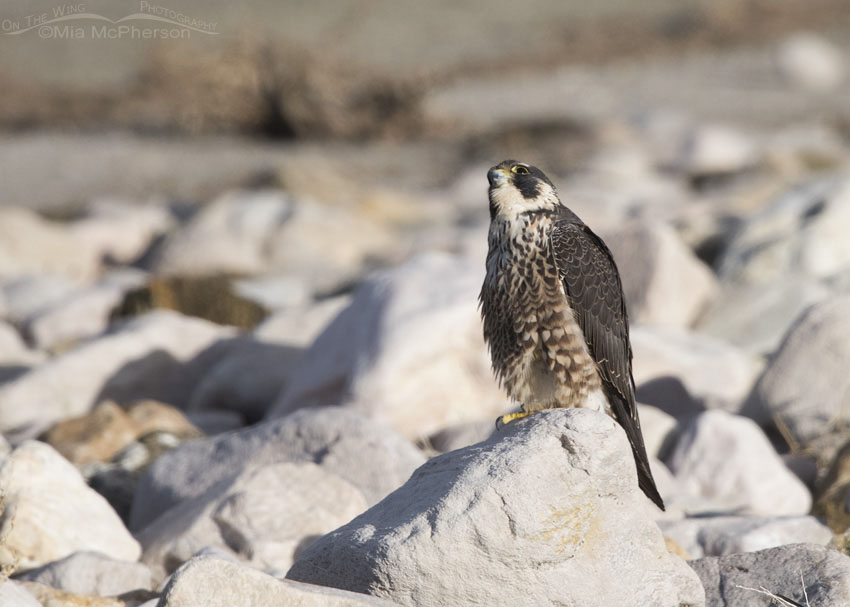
x: 538, y: 349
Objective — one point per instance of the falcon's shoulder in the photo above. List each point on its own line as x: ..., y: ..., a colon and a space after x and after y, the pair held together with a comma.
x: 592, y: 284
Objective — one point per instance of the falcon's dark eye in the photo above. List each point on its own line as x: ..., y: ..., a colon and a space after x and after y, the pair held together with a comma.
x: 518, y: 169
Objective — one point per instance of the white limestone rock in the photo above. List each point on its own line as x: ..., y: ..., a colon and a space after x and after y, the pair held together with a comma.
x: 270, y: 231
x: 141, y: 359
x: 92, y: 573
x: 408, y: 351
x: 263, y: 514
x: 13, y: 351
x: 722, y: 535
x: 300, y: 325
x: 806, y: 382
x: 713, y: 149
x: 83, y: 313
x: 367, y: 454
x: 122, y: 230
x: 811, y: 62
x: 28, y: 295
x: 206, y: 581
x: 805, y: 573
x: 228, y: 235
x: 50, y: 512
x: 32, y: 245
x: 727, y: 458
x: 548, y: 511
x: 13, y: 594
x: 665, y: 284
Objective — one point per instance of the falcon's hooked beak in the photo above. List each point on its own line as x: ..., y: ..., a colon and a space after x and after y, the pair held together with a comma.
x: 497, y: 177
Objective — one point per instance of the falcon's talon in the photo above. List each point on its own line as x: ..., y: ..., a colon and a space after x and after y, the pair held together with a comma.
x: 506, y: 419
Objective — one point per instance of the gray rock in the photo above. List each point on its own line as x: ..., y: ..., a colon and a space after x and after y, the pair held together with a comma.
x: 247, y: 379
x: 798, y: 233
x: 728, y: 458
x: 722, y: 535
x: 206, y: 581
x: 92, y: 573
x: 715, y: 373
x: 548, y: 511
x: 46, y: 501
x: 664, y: 282
x: 145, y: 358
x: 263, y: 514
x: 409, y: 334
x: 811, y: 62
x: 806, y: 382
x: 806, y: 573
x: 13, y: 594
x: 371, y: 457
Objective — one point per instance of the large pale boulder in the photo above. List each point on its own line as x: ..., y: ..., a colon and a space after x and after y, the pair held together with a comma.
x: 806, y: 383
x: 50, y: 512
x: 145, y: 358
x: 367, y: 454
x: 548, y: 511
x: 206, y: 581
x: 805, y: 573
x: 264, y: 514
x: 408, y: 351
x: 729, y: 459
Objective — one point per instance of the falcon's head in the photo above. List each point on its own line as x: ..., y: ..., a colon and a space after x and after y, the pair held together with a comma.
x: 517, y: 188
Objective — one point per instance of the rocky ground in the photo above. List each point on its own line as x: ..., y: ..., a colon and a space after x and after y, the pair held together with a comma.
x: 247, y: 373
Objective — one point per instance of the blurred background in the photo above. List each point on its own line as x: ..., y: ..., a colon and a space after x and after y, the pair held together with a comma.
x: 246, y: 162
x: 214, y: 214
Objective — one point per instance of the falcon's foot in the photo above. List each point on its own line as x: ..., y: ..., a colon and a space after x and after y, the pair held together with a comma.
x: 506, y: 419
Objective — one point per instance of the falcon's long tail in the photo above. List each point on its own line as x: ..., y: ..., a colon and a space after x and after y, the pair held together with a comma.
x: 632, y: 427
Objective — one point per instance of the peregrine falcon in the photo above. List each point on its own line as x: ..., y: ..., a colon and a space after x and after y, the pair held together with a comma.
x: 554, y: 314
